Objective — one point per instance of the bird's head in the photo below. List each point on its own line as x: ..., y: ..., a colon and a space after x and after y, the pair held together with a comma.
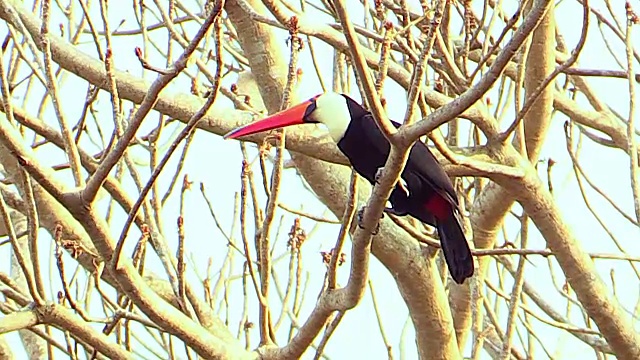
x: 333, y: 110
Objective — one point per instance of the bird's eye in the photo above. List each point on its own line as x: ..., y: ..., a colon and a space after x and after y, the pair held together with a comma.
x: 309, y: 110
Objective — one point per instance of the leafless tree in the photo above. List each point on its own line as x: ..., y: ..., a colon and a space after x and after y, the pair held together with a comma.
x: 96, y: 150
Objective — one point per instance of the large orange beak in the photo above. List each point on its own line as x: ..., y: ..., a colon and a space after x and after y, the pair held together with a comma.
x: 292, y: 116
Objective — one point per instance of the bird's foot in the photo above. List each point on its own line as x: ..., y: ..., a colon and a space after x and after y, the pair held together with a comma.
x: 360, y: 216
x: 395, y: 212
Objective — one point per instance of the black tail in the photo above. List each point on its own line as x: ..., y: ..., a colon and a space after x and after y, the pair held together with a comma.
x: 455, y: 248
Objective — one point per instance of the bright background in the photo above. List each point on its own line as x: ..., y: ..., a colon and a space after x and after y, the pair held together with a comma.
x: 216, y: 163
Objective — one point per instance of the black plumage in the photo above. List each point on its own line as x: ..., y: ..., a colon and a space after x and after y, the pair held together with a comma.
x: 426, y: 194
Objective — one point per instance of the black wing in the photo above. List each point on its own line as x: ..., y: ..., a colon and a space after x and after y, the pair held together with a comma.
x: 423, y: 173
x: 422, y: 163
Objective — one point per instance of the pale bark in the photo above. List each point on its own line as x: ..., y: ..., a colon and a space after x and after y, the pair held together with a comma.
x: 540, y: 64
x: 5, y: 349
x: 578, y: 267
x: 88, y: 229
x: 35, y: 346
x: 416, y: 274
x: 491, y: 206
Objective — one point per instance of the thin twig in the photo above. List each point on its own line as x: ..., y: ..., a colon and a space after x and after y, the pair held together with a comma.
x: 420, y: 67
x: 369, y: 89
x: 52, y: 85
x: 243, y: 230
x: 94, y: 184
x: 514, y: 302
x: 327, y: 334
x: 23, y: 260
x: 531, y: 100
x: 347, y: 217
x: 631, y: 135
x: 33, y: 226
x: 385, y: 340
x: 474, y: 93
x: 191, y: 124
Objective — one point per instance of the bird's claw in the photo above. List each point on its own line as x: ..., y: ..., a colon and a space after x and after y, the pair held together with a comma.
x: 395, y: 212
x: 360, y: 216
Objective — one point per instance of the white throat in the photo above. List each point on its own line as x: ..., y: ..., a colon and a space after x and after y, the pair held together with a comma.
x: 332, y: 111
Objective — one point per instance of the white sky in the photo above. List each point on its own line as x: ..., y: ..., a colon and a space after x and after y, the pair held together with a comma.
x: 216, y: 163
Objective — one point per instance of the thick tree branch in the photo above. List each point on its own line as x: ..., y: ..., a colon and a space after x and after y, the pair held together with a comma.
x: 64, y: 318
x: 129, y: 280
x: 219, y: 120
x: 411, y: 265
x: 474, y: 93
x: 416, y: 275
x: 309, y: 25
x: 540, y: 64
x: 579, y: 269
x: 491, y: 206
x: 109, y: 161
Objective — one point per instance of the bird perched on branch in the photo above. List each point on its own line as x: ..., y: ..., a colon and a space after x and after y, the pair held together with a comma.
x: 424, y: 190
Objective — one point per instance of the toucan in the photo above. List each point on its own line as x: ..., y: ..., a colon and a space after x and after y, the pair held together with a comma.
x: 424, y: 190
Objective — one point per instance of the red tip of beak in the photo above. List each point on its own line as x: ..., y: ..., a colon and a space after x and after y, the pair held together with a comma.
x: 292, y: 116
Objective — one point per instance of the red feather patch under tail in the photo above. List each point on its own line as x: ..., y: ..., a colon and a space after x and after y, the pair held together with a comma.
x: 439, y: 207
